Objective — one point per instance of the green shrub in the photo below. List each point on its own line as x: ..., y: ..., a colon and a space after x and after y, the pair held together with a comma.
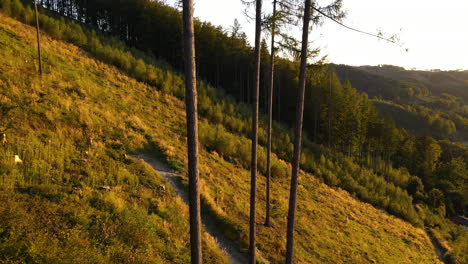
x: 279, y: 170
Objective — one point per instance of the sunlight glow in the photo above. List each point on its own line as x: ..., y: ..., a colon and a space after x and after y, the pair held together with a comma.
x: 434, y: 32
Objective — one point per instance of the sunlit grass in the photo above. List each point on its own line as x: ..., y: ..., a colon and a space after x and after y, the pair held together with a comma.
x: 73, y: 127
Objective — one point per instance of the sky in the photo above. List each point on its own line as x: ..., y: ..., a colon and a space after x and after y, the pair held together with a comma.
x: 434, y: 32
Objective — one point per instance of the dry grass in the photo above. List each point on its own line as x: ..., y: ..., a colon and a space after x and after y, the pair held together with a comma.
x: 72, y: 128
x: 86, y: 98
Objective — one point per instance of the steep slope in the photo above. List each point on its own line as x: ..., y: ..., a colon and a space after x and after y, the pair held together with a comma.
x: 73, y: 127
x: 76, y: 198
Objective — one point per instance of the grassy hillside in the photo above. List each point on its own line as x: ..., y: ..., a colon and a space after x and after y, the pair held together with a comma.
x: 71, y: 142
x: 385, y: 191
x: 73, y: 127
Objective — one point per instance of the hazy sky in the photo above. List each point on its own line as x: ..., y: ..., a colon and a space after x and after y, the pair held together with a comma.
x: 434, y: 31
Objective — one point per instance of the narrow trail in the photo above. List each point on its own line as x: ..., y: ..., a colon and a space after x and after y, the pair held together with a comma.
x: 439, y: 250
x: 230, y: 248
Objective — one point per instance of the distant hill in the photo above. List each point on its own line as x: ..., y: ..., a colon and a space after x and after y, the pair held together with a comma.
x: 375, y: 85
x: 437, y: 82
x: 424, y: 102
x: 389, y: 82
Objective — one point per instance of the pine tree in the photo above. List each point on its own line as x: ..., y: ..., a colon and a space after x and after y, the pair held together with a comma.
x: 270, y: 115
x: 297, y: 135
x: 281, y: 17
x: 192, y: 132
x: 334, y: 11
x: 255, y: 105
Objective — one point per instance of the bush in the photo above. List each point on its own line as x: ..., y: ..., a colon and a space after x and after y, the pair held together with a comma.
x: 16, y: 8
x: 74, y: 33
x: 330, y: 178
x: 51, y: 26
x: 139, y: 69
x: 279, y: 170
x: 5, y: 5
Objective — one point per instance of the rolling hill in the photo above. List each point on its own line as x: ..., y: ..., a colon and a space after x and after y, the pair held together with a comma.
x: 74, y: 128
x: 437, y: 82
x: 390, y: 82
x: 423, y: 102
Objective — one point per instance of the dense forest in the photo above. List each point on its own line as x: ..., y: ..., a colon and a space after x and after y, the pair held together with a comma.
x: 351, y: 141
x: 424, y: 102
x: 436, y: 82
x: 336, y: 115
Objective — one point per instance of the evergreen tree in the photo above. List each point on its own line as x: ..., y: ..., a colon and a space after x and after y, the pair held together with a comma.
x: 255, y: 106
x: 426, y: 160
x: 278, y: 19
x: 304, y: 55
x: 297, y: 135
x: 270, y: 113
x: 192, y: 132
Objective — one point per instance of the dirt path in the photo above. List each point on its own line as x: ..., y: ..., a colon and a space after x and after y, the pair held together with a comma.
x: 209, y: 224
x: 439, y: 250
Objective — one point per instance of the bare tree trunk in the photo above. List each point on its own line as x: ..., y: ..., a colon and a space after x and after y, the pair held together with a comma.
x: 329, y: 112
x: 38, y: 38
x: 253, y: 180
x: 270, y: 117
x: 298, y: 136
x: 192, y: 133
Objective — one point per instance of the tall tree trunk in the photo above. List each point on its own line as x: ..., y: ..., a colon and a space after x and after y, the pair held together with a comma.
x: 270, y: 117
x: 192, y: 133
x: 330, y: 112
x: 297, y: 137
x: 253, y: 180
x: 38, y: 38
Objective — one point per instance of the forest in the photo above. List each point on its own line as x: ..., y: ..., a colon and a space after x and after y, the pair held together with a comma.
x: 394, y: 149
x: 426, y: 102
x: 370, y: 139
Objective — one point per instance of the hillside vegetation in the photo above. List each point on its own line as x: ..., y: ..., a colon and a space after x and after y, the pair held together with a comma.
x: 369, y: 155
x: 424, y: 102
x: 436, y: 81
x: 72, y: 129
